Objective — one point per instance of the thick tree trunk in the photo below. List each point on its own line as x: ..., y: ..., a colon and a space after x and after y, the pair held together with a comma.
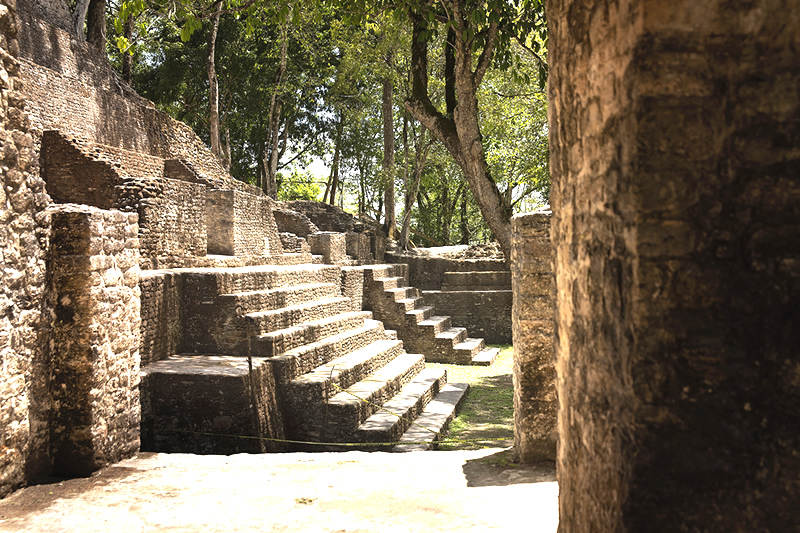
x: 461, y: 135
x: 213, y: 87
x: 96, y: 26
x: 388, y: 159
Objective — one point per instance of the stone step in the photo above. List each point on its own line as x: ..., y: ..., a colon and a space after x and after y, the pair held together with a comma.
x: 401, y: 293
x: 418, y: 315
x: 468, y: 348
x: 352, y: 406
x: 298, y: 361
x: 485, y: 357
x: 305, y: 395
x: 409, y: 304
x: 189, y: 400
x: 283, y: 340
x: 212, y: 282
x: 431, y: 425
x: 389, y: 283
x: 435, y: 325
x: 262, y: 322
x: 397, y: 415
x: 271, y: 299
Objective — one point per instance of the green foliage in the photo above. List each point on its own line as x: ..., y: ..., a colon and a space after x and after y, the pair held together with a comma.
x: 298, y: 186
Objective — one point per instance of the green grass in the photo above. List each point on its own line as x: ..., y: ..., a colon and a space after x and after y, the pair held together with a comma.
x: 488, y: 411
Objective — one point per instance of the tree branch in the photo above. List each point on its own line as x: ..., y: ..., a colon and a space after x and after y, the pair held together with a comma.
x: 486, y: 55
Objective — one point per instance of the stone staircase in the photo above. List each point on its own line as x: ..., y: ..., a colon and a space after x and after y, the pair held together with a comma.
x: 277, y: 352
x: 403, y: 308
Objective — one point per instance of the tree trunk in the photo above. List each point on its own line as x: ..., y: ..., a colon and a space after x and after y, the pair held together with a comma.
x: 96, y: 26
x: 461, y: 135
x: 272, y: 153
x: 388, y: 158
x: 213, y: 87
x: 79, y: 19
x: 333, y: 180
x: 464, y: 221
x: 127, y: 57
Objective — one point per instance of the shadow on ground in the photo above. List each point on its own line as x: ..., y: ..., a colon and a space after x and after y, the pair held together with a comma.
x: 500, y: 469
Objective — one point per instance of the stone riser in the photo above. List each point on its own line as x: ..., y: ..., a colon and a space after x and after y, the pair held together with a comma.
x: 325, y: 381
x: 273, y: 299
x: 399, y: 413
x: 345, y: 412
x: 271, y: 321
x: 211, y: 283
x: 299, y: 361
x: 280, y: 341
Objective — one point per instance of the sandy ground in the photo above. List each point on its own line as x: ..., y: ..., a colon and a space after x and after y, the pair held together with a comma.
x: 300, y: 492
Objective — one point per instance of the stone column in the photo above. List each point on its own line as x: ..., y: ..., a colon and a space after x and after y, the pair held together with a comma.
x: 93, y: 282
x: 674, y: 157
x: 535, y: 401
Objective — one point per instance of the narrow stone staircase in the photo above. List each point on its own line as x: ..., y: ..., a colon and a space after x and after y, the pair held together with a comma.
x: 402, y: 308
x: 277, y: 352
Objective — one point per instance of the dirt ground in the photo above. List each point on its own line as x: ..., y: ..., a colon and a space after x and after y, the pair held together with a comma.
x: 479, y: 490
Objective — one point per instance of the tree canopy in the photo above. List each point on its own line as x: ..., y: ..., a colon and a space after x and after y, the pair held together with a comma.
x: 433, y: 107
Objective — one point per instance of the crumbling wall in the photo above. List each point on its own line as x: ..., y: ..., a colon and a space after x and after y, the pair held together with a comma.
x: 674, y: 159
x: 535, y: 401
x: 24, y: 224
x: 93, y: 283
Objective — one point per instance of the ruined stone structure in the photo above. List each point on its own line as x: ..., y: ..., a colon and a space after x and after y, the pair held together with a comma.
x: 474, y: 293
x: 535, y: 401
x: 152, y: 302
x: 676, y: 185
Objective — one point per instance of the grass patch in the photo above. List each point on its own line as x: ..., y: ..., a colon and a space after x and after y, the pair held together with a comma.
x: 488, y: 411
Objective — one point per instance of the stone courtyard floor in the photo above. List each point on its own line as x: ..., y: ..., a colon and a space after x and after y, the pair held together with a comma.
x: 476, y: 490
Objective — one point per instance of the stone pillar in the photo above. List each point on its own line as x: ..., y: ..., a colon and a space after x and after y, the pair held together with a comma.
x: 332, y: 246
x: 93, y: 278
x: 674, y: 157
x: 535, y: 401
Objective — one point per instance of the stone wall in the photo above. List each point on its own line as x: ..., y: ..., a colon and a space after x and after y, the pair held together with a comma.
x: 427, y: 272
x: 161, y: 315
x: 94, y: 103
x: 24, y: 224
x: 240, y: 224
x: 674, y: 159
x: 485, y: 314
x: 535, y: 401
x: 93, y: 283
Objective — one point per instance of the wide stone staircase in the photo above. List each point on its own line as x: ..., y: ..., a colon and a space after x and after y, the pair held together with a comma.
x: 403, y: 309
x: 274, y: 354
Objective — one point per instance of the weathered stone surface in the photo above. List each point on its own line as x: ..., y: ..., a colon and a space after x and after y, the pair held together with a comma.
x: 427, y: 272
x: 535, y: 400
x: 240, y: 224
x: 674, y: 161
x: 485, y: 313
x: 93, y: 281
x: 24, y: 225
x: 330, y: 245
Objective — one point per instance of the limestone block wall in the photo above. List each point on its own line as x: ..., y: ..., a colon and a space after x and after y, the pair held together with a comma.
x: 240, y: 224
x: 535, y: 400
x: 485, y: 314
x: 289, y: 221
x: 93, y: 283
x: 330, y: 245
x: 24, y: 226
x: 427, y: 272
x: 161, y: 315
x: 172, y: 224
x: 674, y: 160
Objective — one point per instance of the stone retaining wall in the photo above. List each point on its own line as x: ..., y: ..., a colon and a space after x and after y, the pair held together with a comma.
x: 427, y: 273
x: 485, y: 313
